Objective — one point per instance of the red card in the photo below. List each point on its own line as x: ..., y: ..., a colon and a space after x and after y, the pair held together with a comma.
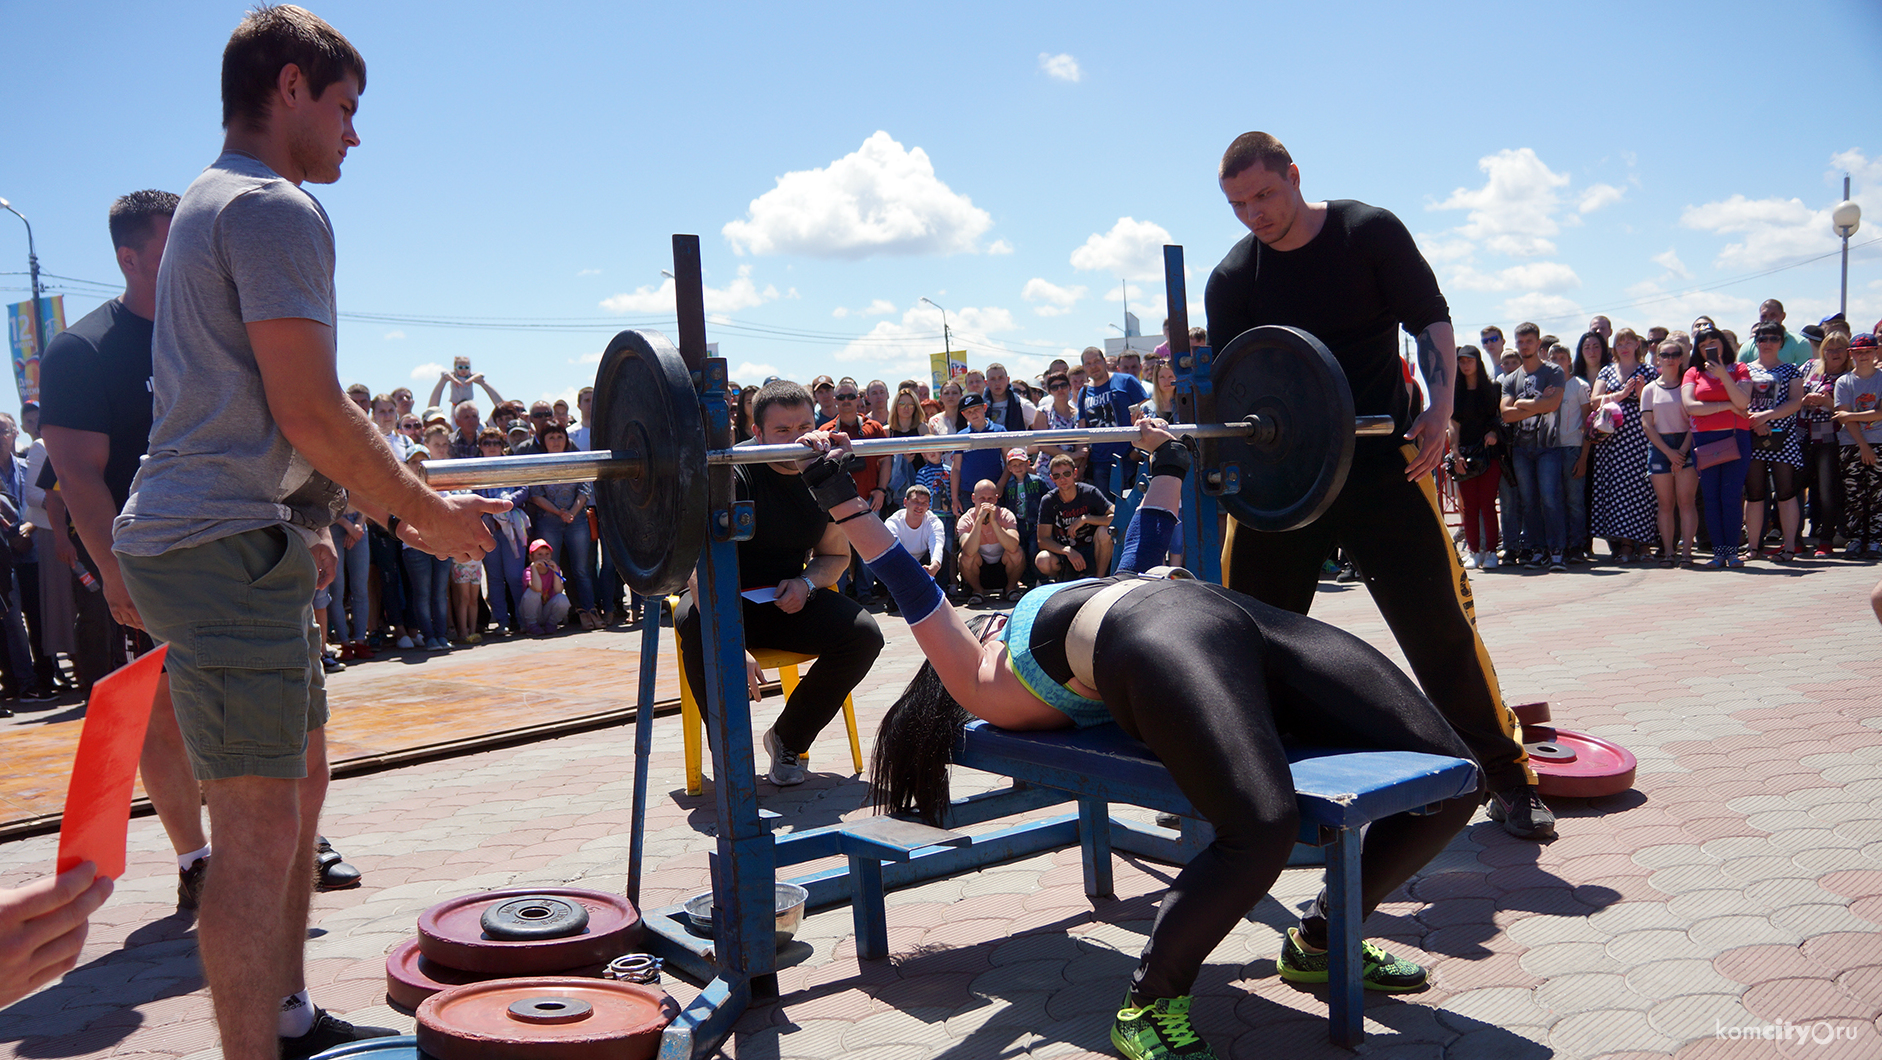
x: 98, y: 800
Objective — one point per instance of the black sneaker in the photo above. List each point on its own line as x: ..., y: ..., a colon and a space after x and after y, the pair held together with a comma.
x: 327, y: 1032
x: 1532, y: 561
x: 1348, y: 573
x: 1521, y: 812
x: 189, y: 885
x: 331, y: 872
x: 37, y: 695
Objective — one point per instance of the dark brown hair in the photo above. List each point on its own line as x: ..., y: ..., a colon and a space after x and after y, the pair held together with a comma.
x: 782, y: 393
x: 1254, y: 148
x: 133, y: 216
x: 270, y: 38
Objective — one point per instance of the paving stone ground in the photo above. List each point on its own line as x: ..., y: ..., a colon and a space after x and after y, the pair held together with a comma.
x: 1726, y: 907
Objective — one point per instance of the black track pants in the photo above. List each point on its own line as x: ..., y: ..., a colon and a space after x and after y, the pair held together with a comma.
x: 831, y: 626
x: 1209, y: 680
x: 1395, y: 532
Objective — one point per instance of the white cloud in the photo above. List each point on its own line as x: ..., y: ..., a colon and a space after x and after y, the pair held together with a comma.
x: 1440, y: 251
x: 880, y: 199
x: 1514, y: 212
x: 1541, y: 308
x: 754, y: 371
x: 1536, y: 276
x: 1123, y: 291
x: 1671, y: 263
x: 1655, y: 306
x: 1775, y: 231
x: 1599, y: 195
x: 395, y: 334
x: 427, y: 371
x: 1131, y: 250
x: 881, y: 307
x: 1058, y: 300
x: 1060, y: 66
x: 741, y: 293
x: 588, y: 358
x: 589, y: 272
x: 1000, y: 246
x: 1865, y: 173
x: 903, y: 346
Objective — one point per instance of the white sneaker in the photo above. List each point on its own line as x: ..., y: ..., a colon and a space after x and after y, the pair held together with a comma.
x: 786, y: 768
x: 1470, y: 561
x: 1489, y: 561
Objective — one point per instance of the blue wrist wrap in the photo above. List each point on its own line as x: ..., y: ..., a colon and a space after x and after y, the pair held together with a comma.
x: 909, y: 583
x: 1147, y: 540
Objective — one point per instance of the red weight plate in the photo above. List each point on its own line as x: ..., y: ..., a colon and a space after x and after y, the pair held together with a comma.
x: 1576, y: 765
x: 411, y: 977
x: 452, y: 934
x: 1531, y: 713
x: 545, y: 1018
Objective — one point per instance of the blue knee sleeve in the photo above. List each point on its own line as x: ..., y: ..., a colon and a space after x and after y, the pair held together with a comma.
x: 914, y: 591
x: 1147, y: 540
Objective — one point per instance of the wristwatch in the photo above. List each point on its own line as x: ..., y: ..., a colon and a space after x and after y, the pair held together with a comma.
x: 810, y: 585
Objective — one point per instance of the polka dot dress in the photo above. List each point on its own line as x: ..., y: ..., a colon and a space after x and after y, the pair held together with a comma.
x: 1771, y: 387
x: 1624, y: 506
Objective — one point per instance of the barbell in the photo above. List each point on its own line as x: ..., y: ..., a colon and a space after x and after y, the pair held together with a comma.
x: 1280, y: 452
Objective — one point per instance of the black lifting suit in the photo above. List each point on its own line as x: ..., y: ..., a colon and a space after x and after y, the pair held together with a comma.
x: 1353, y: 286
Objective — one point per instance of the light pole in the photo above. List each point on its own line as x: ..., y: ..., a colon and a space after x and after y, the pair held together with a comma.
x: 39, y: 313
x: 1844, y: 220
x: 947, y: 344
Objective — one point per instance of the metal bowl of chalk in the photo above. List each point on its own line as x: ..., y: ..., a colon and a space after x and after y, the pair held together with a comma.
x: 790, y: 901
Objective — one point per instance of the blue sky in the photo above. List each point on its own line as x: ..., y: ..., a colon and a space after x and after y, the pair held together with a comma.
x: 1017, y: 164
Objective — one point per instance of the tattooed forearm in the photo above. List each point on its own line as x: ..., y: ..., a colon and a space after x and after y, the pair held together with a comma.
x: 1437, y: 356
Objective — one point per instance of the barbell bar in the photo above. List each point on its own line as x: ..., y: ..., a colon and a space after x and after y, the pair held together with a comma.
x: 552, y: 468
x: 1275, y: 450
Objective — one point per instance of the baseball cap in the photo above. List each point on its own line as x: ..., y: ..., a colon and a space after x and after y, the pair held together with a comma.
x: 539, y: 543
x: 1864, y: 341
x: 435, y: 413
x: 822, y: 381
x: 971, y: 400
x: 1016, y: 453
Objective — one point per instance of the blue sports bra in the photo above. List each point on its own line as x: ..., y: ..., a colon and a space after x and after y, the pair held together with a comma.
x: 1083, y: 711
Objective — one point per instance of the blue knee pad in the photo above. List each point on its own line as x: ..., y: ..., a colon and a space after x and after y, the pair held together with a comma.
x: 908, y: 582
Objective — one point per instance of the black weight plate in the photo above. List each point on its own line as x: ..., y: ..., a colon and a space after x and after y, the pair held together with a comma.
x: 653, y: 523
x: 536, y: 916
x: 1288, y: 376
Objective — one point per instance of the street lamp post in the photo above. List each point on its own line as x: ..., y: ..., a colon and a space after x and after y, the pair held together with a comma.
x: 32, y: 264
x: 947, y: 344
x: 1844, y: 220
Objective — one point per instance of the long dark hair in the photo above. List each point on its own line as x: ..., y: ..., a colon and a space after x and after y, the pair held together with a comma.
x: 908, y: 769
x: 1581, y: 359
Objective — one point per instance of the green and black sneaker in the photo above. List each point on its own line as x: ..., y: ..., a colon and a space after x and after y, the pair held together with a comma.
x: 1157, y: 1030
x: 1382, y: 970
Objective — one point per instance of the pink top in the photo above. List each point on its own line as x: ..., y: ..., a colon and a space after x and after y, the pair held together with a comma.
x: 1706, y: 387
x: 1669, y: 412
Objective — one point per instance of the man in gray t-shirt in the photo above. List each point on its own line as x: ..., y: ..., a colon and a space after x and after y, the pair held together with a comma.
x: 222, y: 545
x: 1531, y: 395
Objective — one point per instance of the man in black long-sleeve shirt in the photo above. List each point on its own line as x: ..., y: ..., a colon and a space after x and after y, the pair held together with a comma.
x: 1351, y: 275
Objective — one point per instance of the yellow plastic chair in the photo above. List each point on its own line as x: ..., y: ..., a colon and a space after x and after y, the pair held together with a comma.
x: 786, y: 664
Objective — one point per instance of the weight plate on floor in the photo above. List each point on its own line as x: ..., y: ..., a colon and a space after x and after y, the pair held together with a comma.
x: 652, y: 517
x: 1290, y: 378
x: 402, y: 1047
x: 411, y: 977
x: 1576, y: 765
x: 452, y: 934
x: 536, y: 916
x: 545, y: 1018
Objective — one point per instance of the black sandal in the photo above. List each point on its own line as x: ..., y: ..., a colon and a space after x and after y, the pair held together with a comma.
x: 331, y: 872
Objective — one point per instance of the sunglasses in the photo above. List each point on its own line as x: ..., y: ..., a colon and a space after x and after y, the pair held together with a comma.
x: 539, y: 415
x: 491, y: 443
x: 1063, y: 474
x: 1770, y: 338
x: 1060, y: 386
x: 846, y: 397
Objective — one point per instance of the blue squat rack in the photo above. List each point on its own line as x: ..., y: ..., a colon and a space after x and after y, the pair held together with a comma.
x: 1092, y: 768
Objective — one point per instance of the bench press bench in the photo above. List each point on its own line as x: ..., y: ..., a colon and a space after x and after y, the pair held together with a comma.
x: 1338, y: 793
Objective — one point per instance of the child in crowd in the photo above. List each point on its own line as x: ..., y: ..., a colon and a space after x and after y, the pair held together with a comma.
x: 545, y: 605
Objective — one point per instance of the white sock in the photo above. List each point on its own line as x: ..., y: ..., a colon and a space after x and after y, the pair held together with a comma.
x: 184, y: 861
x: 297, y: 1015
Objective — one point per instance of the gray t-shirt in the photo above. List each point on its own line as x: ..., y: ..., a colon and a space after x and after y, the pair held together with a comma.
x: 1859, y: 395
x: 1536, y: 432
x: 245, y: 245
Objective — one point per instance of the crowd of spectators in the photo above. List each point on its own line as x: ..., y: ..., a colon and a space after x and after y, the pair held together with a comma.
x: 1625, y: 439
x: 1619, y: 438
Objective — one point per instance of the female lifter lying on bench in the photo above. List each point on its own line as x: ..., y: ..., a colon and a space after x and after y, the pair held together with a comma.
x: 1209, y: 679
